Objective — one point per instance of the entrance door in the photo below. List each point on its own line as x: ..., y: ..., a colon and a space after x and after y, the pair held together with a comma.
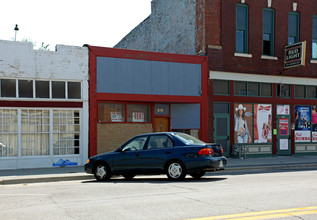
x: 161, y: 125
x: 283, y: 135
x: 222, y: 126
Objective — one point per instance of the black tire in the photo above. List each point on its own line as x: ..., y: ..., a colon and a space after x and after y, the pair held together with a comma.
x: 128, y: 176
x: 175, y: 170
x: 102, y: 172
x: 197, y: 175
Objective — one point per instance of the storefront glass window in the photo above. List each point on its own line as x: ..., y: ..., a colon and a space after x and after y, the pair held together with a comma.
x: 58, y: 90
x: 240, y: 88
x: 8, y: 132
x: 311, y: 92
x: 243, y: 123
x: 111, y: 112
x: 299, y: 91
x: 66, y: 133
x: 221, y: 87
x: 283, y: 90
x: 303, y: 123
x: 74, y: 90
x: 266, y: 89
x: 262, y: 123
x: 42, y: 89
x: 253, y: 89
x: 35, y: 132
x: 25, y: 88
x: 8, y: 88
x: 138, y: 113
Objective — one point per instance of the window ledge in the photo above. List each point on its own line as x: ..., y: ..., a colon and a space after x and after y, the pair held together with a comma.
x: 243, y: 55
x: 313, y: 61
x: 265, y: 57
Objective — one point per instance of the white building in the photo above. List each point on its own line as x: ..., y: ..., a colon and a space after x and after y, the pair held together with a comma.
x: 43, y: 106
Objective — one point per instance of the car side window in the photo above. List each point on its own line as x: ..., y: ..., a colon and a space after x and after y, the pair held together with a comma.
x: 159, y: 142
x: 135, y: 144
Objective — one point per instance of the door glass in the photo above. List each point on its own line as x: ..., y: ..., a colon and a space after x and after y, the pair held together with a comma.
x: 221, y: 126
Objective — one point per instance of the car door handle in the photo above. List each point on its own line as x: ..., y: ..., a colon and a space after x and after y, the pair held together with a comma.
x: 167, y: 152
x: 138, y: 155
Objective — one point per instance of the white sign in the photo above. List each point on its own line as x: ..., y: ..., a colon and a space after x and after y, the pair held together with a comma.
x: 138, y: 116
x: 302, y: 136
x: 283, y: 144
x: 116, y: 117
x: 283, y: 109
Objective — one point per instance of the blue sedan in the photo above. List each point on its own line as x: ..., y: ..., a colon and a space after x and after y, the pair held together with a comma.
x: 172, y: 153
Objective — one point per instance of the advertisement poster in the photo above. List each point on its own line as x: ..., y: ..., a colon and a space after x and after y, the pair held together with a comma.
x: 302, y: 124
x: 243, y: 123
x: 283, y: 126
x: 138, y: 116
x: 262, y: 123
x: 282, y: 109
x: 314, y: 136
x: 116, y: 117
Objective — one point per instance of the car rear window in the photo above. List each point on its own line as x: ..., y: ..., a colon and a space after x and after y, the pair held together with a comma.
x: 188, y: 139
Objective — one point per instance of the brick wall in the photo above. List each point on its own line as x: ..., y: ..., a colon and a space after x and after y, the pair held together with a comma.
x: 110, y: 136
x: 223, y: 59
x: 170, y: 28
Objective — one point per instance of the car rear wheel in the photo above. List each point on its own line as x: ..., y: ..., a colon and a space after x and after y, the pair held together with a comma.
x: 128, y: 176
x: 198, y: 174
x: 102, y: 172
x: 175, y: 170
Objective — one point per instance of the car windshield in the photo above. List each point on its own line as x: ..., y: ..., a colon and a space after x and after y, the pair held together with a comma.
x: 188, y: 139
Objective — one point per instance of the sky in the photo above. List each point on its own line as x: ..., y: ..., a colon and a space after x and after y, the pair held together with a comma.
x: 71, y: 22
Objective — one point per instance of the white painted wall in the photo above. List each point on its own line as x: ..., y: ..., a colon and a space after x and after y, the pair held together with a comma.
x: 18, y: 60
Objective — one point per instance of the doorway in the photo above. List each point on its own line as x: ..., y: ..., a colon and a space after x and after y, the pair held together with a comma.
x: 222, y: 126
x: 161, y: 124
x: 283, y: 135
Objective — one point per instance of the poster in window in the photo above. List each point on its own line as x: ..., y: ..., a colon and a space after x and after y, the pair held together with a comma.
x: 243, y: 123
x: 262, y: 123
x: 116, y: 117
x: 138, y: 116
x: 283, y: 126
x: 282, y: 109
x: 302, y: 124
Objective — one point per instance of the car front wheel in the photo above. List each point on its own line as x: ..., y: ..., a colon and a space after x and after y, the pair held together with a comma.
x: 102, y: 172
x: 176, y: 171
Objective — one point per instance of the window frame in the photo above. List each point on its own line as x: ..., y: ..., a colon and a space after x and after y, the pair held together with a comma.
x: 247, y: 89
x: 296, y: 40
x: 314, y: 38
x: 271, y: 32
x: 246, y: 32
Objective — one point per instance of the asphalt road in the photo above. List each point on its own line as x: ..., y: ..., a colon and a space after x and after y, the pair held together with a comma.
x: 286, y: 194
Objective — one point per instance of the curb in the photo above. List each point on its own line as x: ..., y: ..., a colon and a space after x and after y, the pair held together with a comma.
x: 42, y: 179
x: 269, y: 167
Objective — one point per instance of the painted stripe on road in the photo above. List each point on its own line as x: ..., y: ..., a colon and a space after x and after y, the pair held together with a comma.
x: 266, y: 214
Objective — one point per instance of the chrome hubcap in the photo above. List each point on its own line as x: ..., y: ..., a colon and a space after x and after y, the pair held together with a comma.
x: 101, y: 171
x: 175, y: 170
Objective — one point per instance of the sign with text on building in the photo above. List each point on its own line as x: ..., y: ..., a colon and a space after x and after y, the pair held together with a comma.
x: 295, y: 55
x: 138, y: 116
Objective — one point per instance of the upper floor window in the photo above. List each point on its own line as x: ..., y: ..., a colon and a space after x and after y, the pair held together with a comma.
x: 314, y: 46
x: 293, y: 27
x: 252, y: 89
x: 222, y: 87
x: 268, y: 32
x: 241, y: 28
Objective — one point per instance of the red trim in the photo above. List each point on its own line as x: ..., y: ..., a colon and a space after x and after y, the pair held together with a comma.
x: 94, y: 97
x: 274, y: 100
x: 39, y: 104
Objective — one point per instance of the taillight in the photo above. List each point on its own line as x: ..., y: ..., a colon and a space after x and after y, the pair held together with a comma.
x: 206, y: 151
x: 221, y: 150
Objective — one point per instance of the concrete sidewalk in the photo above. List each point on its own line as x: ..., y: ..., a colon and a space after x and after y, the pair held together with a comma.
x: 24, y: 176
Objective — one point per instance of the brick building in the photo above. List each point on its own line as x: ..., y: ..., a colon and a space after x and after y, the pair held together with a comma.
x: 254, y: 100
